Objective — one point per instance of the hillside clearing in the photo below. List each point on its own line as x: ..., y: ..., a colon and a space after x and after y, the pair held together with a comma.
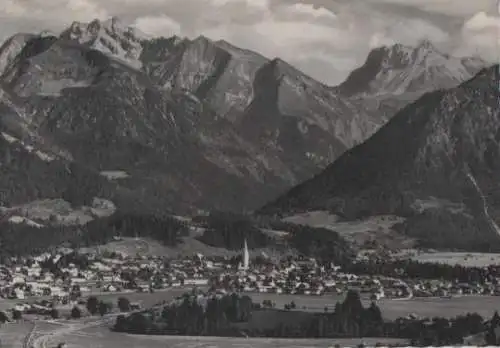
x: 102, y: 338
x: 378, y: 228
x: 458, y: 258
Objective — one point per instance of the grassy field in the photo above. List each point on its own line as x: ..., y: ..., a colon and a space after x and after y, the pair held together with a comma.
x: 379, y: 228
x: 145, y: 299
x: 189, y: 246
x: 12, y: 335
x: 102, y: 338
x: 98, y: 337
x: 393, y: 309
x: 459, y: 258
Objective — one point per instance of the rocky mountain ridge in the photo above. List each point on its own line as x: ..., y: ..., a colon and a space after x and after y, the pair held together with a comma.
x: 195, y: 124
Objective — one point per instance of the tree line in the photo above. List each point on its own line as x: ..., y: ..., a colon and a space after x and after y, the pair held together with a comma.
x: 21, y: 239
x: 230, y: 315
x: 423, y: 270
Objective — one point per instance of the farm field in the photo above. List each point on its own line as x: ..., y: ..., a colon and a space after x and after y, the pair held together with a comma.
x: 92, y: 333
x: 393, y: 309
x: 459, y: 258
x: 102, y: 338
x: 13, y: 335
x: 145, y: 299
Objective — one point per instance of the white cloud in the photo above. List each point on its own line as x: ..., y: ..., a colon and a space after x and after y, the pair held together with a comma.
x: 481, y: 21
x: 53, y: 12
x: 481, y: 35
x: 409, y: 32
x: 325, y: 41
x: 158, y: 26
x: 463, y: 8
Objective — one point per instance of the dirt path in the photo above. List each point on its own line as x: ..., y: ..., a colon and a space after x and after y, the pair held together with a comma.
x: 49, y: 339
x: 29, y: 337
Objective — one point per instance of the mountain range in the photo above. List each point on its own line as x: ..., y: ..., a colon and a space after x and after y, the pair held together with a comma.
x: 435, y: 164
x: 190, y: 124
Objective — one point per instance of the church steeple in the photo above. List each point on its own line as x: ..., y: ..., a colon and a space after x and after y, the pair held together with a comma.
x: 246, y: 257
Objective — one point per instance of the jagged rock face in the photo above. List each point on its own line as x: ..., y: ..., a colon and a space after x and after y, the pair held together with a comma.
x: 401, y: 69
x: 111, y: 37
x: 11, y: 48
x: 293, y: 114
x: 392, y: 77
x: 436, y: 163
x: 49, y: 65
x: 217, y: 72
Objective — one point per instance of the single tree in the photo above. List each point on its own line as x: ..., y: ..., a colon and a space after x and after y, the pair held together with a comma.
x: 3, y: 317
x: 76, y: 313
x: 17, y: 315
x: 104, y: 308
x: 124, y: 304
x: 93, y: 305
x: 54, y: 313
x: 121, y: 324
x: 495, y: 320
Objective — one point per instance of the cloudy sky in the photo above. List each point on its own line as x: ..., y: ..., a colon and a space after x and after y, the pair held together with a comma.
x: 324, y: 38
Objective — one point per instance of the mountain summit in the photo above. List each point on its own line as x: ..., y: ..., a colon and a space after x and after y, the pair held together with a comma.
x: 110, y: 36
x: 402, y: 69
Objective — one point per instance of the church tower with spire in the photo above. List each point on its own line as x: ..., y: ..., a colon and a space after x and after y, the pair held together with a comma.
x: 246, y: 256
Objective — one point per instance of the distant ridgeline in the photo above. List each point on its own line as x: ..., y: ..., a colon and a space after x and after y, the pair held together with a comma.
x: 236, y: 316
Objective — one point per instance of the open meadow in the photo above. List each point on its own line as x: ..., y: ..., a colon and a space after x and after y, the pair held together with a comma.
x: 459, y: 258
x: 13, y: 335
x: 393, y: 309
x: 93, y: 333
x: 102, y: 338
x: 145, y: 299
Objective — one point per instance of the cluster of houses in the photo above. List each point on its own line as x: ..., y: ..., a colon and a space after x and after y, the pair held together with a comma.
x: 306, y: 277
x: 65, y: 276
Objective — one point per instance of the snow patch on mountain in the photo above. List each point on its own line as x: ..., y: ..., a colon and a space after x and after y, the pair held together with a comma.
x: 29, y: 148
x: 54, y: 87
x: 18, y: 220
x: 114, y: 174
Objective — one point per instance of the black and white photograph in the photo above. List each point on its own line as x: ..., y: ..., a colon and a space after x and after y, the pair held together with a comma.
x: 249, y: 173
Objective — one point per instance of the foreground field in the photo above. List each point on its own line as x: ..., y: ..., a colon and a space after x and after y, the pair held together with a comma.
x: 102, y: 338
x: 393, y: 309
x: 13, y: 335
x: 95, y: 333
